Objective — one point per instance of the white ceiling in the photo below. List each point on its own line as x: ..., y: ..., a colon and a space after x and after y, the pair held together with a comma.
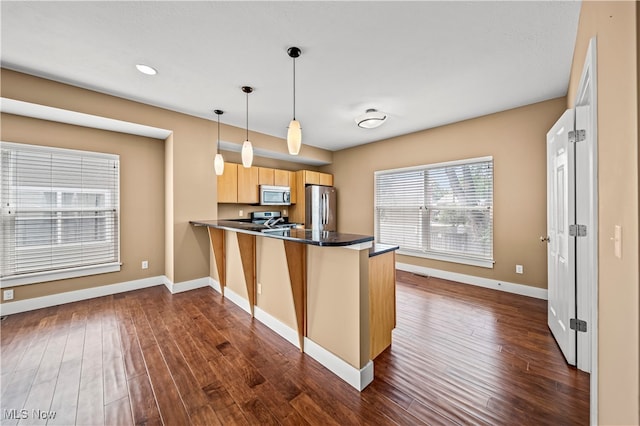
x: 424, y: 63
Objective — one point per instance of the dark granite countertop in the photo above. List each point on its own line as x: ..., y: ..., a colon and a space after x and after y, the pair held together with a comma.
x: 305, y: 236
x: 379, y: 248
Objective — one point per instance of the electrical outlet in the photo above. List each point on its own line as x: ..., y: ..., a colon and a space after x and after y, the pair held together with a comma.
x: 259, y: 288
x: 519, y: 269
x: 145, y: 264
x: 7, y: 295
x: 285, y: 213
x: 240, y: 213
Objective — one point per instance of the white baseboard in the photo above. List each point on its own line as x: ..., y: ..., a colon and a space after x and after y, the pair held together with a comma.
x: 359, y: 379
x: 237, y: 299
x: 524, y: 290
x: 277, y: 326
x: 185, y: 285
x: 215, y: 284
x: 9, y: 308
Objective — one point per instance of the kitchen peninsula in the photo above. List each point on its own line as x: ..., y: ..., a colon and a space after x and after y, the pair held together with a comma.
x: 330, y: 294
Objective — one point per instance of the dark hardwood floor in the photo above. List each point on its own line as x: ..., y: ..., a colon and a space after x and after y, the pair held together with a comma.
x: 460, y: 355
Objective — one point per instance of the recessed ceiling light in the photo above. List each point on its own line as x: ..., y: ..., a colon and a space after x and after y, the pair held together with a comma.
x: 371, y: 119
x: 146, y: 69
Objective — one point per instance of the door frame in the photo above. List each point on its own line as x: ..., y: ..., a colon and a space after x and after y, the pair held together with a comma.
x: 587, y: 291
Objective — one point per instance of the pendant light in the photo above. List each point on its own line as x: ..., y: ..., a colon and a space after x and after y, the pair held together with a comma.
x: 247, y: 149
x: 294, y: 134
x: 218, y: 163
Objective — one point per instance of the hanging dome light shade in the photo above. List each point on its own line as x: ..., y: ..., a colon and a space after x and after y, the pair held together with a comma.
x: 294, y: 134
x: 247, y: 154
x: 371, y: 119
x: 247, y: 148
x: 218, y: 162
x: 294, y: 137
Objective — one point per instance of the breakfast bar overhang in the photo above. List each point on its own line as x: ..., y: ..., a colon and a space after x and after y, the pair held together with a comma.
x: 330, y: 294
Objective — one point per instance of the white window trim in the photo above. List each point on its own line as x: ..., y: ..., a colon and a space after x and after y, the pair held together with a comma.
x: 60, y: 274
x: 66, y: 273
x: 464, y: 260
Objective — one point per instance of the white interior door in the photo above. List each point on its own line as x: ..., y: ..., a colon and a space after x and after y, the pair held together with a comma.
x: 560, y: 245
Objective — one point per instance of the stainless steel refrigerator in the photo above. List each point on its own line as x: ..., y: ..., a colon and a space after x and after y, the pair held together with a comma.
x: 320, y: 213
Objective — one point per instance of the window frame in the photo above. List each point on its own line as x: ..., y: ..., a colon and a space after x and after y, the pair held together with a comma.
x: 434, y: 255
x: 60, y: 273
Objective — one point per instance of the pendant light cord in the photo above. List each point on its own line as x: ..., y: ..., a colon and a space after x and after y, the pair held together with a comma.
x: 218, y: 143
x: 247, y: 115
x: 294, y: 88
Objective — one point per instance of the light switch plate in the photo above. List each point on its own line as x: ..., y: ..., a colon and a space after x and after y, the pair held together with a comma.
x: 519, y: 269
x: 145, y: 264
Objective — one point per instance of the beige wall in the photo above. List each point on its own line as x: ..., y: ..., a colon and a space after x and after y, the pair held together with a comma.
x: 517, y: 141
x: 141, y: 196
x: 615, y: 24
x: 190, y: 185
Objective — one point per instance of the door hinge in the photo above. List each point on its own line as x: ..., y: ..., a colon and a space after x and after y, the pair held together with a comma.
x: 577, y: 230
x: 577, y: 136
x: 578, y: 325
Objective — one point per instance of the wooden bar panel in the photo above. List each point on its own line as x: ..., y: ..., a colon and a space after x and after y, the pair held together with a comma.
x: 297, y: 265
x: 247, y: 245
x: 382, y: 301
x: 216, y: 236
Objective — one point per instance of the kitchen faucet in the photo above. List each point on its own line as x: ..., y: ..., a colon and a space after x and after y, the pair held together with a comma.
x: 269, y: 224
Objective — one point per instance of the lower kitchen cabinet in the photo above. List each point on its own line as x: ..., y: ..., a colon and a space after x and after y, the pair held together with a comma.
x: 382, y: 301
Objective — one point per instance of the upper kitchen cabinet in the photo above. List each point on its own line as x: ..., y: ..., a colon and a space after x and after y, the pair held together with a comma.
x: 266, y: 176
x: 293, y: 185
x: 228, y: 184
x: 281, y: 177
x: 248, y: 185
x: 326, y: 179
x: 311, y: 178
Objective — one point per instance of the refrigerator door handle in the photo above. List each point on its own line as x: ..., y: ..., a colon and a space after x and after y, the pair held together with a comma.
x: 324, y: 208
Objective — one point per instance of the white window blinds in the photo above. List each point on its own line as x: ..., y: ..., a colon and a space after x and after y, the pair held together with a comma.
x: 442, y: 211
x: 60, y: 213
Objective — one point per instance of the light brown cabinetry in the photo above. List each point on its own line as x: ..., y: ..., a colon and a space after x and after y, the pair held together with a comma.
x: 326, y: 179
x: 248, y: 185
x: 240, y: 185
x: 281, y: 177
x: 293, y: 184
x: 228, y: 184
x: 382, y: 301
x: 266, y: 176
x: 311, y: 178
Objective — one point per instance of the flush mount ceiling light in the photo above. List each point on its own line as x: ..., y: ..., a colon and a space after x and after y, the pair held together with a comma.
x: 294, y: 134
x: 247, y: 148
x: 146, y: 69
x: 218, y: 163
x: 371, y: 119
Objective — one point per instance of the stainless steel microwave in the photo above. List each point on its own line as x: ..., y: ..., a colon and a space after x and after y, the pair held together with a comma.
x: 275, y: 195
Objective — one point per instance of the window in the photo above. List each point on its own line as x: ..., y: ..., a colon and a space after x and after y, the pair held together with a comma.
x: 440, y: 211
x: 60, y: 213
